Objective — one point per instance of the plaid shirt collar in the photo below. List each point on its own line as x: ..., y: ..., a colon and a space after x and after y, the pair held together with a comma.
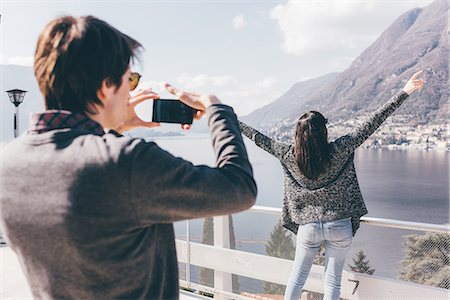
x: 59, y: 119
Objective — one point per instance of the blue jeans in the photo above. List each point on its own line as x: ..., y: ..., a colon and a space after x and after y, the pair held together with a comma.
x: 337, y: 236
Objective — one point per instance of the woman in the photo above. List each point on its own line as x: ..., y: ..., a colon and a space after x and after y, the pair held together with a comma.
x: 322, y: 199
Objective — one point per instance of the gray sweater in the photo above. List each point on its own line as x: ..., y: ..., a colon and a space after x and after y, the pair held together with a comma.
x: 335, y: 194
x: 90, y: 217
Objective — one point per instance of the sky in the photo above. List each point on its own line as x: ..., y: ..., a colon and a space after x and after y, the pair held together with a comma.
x: 248, y: 53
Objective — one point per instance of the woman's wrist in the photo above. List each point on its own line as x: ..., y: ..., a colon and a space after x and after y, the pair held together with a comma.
x: 213, y: 100
x: 408, y: 91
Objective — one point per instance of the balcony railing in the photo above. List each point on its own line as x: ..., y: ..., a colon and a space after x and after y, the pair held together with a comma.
x: 254, y: 268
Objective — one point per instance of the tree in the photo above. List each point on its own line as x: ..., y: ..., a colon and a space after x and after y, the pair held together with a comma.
x: 207, y: 275
x: 280, y: 244
x: 427, y: 260
x: 361, y: 264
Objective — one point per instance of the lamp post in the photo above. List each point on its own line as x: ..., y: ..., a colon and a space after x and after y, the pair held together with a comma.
x: 16, y: 97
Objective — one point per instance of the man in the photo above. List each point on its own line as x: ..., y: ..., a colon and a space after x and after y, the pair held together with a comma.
x: 88, y: 211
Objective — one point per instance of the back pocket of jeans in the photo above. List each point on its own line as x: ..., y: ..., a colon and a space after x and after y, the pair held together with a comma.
x: 341, y: 230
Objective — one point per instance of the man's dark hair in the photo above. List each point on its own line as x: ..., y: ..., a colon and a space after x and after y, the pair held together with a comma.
x: 311, y: 147
x: 74, y: 55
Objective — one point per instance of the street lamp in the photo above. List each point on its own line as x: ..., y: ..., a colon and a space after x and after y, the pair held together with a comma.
x: 16, y: 97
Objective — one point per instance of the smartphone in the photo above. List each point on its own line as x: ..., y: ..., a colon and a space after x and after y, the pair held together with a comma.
x: 172, y: 111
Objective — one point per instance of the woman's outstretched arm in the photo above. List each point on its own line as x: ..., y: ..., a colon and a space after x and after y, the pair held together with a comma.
x: 264, y: 142
x: 357, y: 137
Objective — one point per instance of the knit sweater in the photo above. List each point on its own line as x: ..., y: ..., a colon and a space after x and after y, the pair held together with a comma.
x: 335, y: 194
x: 90, y: 216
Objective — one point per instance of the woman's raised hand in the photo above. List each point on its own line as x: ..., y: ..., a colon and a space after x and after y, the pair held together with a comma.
x: 414, y: 83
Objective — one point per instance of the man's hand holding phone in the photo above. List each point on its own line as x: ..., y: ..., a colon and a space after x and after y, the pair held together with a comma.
x: 195, y: 100
x: 190, y: 106
x: 130, y: 118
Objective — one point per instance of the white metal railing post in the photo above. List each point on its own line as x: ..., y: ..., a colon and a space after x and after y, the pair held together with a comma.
x: 222, y: 280
x: 188, y: 253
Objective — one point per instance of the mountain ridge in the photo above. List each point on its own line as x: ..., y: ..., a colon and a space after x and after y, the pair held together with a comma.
x: 418, y: 39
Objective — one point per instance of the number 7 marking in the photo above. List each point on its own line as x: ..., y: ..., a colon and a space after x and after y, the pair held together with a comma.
x: 356, y: 285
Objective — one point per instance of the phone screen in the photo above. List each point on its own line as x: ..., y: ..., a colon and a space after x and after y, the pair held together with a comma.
x: 172, y: 111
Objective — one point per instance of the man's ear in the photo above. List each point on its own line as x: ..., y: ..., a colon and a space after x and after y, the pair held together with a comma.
x: 105, y: 92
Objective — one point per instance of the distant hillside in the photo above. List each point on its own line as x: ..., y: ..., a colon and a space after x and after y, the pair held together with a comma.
x: 295, y: 97
x: 418, y: 39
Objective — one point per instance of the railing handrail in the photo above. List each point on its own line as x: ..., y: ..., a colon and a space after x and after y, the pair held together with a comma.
x: 227, y: 261
x: 437, y: 228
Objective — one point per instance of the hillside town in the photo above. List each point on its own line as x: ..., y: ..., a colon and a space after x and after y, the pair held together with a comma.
x: 402, y: 132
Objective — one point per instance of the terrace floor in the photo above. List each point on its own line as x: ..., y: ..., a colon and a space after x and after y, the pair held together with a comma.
x: 13, y: 284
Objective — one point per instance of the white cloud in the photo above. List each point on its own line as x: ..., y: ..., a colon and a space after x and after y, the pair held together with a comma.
x: 239, y: 21
x: 309, y: 26
x: 204, y: 81
x: 27, y: 61
x: 244, y: 97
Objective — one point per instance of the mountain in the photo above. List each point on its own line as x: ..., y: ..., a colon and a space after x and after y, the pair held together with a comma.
x: 417, y: 40
x: 282, y: 107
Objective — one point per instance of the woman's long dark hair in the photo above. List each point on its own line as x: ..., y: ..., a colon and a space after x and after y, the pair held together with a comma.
x: 311, y: 147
